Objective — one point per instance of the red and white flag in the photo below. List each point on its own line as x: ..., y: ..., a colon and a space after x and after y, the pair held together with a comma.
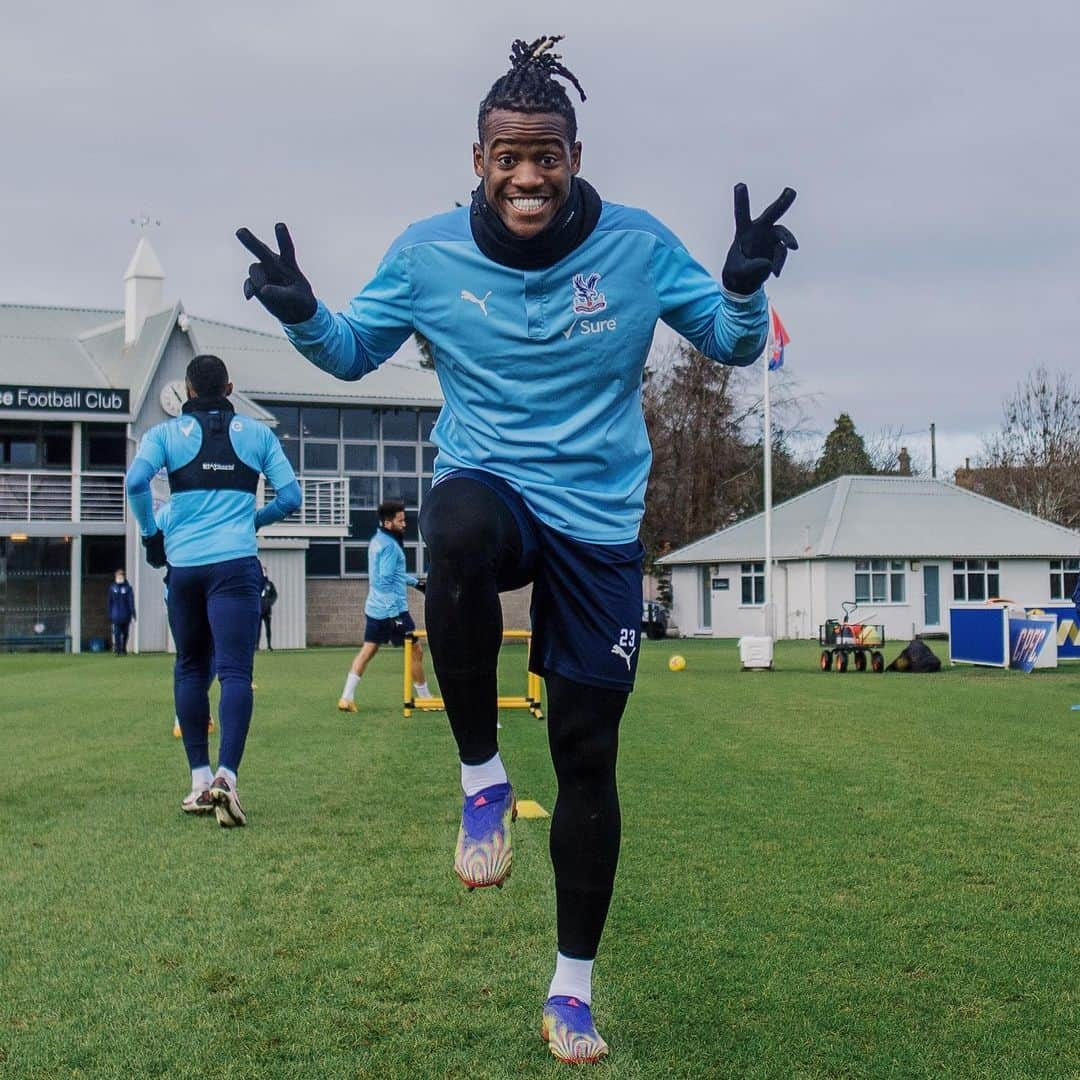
x: 778, y: 338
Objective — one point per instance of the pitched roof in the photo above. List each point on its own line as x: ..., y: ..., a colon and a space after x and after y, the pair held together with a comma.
x: 886, y: 517
x: 56, y: 346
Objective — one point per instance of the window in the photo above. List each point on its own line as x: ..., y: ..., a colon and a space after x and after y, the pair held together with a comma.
x: 320, y: 456
x: 360, y: 424
x: 363, y: 492
x: 361, y: 458
x: 1063, y: 578
x: 880, y: 581
x: 40, y: 446
x: 752, y: 576
x: 405, y: 488
x: 427, y: 423
x: 399, y: 459
x: 105, y: 447
x: 320, y: 423
x: 429, y: 453
x: 975, y: 579
x: 399, y: 425
x: 324, y: 560
x: 356, y: 556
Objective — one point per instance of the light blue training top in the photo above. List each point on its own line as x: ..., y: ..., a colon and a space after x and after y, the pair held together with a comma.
x: 212, y: 524
x: 387, y: 582
x: 542, y: 370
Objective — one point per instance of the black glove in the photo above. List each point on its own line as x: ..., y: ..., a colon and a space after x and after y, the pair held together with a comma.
x: 155, y: 549
x: 421, y: 585
x: 275, y: 280
x: 760, y: 245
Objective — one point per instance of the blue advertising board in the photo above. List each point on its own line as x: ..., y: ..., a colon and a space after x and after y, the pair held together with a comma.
x: 1068, y: 628
x: 979, y: 636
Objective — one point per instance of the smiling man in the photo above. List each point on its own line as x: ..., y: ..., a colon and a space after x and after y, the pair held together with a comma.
x: 540, y: 301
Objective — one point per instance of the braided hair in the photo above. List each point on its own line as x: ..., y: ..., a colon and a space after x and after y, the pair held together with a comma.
x: 530, y: 87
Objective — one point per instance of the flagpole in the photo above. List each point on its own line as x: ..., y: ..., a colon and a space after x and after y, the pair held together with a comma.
x: 768, y: 612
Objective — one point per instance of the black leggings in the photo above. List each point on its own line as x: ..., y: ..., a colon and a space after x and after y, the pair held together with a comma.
x: 475, y: 553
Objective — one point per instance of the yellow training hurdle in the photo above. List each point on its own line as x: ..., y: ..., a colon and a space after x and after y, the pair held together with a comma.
x: 530, y: 701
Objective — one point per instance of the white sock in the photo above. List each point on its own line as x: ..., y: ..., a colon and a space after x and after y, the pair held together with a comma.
x: 421, y: 689
x: 475, y: 778
x: 228, y: 774
x: 201, y: 778
x: 351, y: 682
x: 573, y: 978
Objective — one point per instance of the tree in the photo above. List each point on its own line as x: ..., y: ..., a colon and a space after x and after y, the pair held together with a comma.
x: 844, y: 453
x: 427, y: 353
x: 1033, y: 462
x: 707, y: 456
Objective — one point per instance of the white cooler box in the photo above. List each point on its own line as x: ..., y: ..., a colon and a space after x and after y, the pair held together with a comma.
x: 756, y: 653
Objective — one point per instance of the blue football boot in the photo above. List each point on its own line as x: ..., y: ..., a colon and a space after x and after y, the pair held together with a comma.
x: 484, y: 849
x: 570, y: 1033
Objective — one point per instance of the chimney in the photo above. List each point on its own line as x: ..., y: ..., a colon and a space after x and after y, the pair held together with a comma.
x: 143, y: 289
x: 904, y: 459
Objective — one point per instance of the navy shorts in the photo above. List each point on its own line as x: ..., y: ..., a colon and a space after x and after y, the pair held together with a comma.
x: 389, y: 631
x: 586, y: 599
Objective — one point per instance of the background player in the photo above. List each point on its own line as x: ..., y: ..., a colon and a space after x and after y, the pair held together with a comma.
x: 214, y: 459
x: 540, y: 301
x: 387, y: 607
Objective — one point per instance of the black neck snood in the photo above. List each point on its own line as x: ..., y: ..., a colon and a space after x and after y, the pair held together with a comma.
x: 569, y: 229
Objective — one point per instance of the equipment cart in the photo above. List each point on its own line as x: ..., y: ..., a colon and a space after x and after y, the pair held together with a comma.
x: 842, y: 639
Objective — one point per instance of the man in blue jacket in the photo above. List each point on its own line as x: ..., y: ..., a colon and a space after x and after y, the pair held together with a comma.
x: 540, y: 301
x: 386, y: 607
x: 214, y: 459
x: 120, y: 601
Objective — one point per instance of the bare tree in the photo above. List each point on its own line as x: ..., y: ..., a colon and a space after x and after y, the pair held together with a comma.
x: 1033, y: 462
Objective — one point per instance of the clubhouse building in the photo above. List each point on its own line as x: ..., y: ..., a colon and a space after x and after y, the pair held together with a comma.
x: 79, y: 387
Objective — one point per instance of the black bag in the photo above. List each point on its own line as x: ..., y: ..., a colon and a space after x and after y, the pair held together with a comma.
x: 917, y: 658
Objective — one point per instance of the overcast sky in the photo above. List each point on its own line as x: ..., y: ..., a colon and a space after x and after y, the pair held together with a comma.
x: 932, y: 144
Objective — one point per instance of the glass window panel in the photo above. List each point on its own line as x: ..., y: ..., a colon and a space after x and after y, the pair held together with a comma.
x: 877, y: 564
x: 1055, y: 564
x: 976, y: 564
x: 1070, y: 585
x: 291, y: 450
x: 877, y: 583
x: 288, y: 420
x: 106, y: 448
x: 324, y: 560
x: 321, y: 423
x: 958, y: 564
x: 57, y: 447
x: 993, y: 585
x: 897, y: 564
x: 356, y: 559
x: 759, y: 590
x: 862, y: 588
x: 23, y: 453
x: 412, y: 527
x: 427, y: 422
x: 405, y: 488
x: 362, y: 524
x: 399, y: 459
x: 862, y: 564
x: 976, y: 586
x: 425, y: 485
x: 361, y: 458
x: 897, y: 588
x: 360, y: 424
x: 759, y: 568
x: 747, y: 590
x: 364, y: 492
x: 991, y: 564
x: 320, y: 457
x: 429, y: 453
x: 399, y: 425
x: 744, y: 568
x: 412, y: 559
x: 958, y: 590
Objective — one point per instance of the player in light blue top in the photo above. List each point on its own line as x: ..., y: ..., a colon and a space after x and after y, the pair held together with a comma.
x: 387, y: 605
x: 540, y: 301
x: 213, y: 458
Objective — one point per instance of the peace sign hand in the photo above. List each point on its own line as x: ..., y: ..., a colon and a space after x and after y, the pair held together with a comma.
x: 275, y: 280
x: 760, y: 245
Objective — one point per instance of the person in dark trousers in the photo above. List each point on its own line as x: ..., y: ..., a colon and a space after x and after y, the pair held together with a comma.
x: 267, y: 599
x: 540, y: 301
x: 214, y: 459
x: 120, y: 601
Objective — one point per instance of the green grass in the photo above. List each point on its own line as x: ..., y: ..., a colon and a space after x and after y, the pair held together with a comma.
x: 822, y: 876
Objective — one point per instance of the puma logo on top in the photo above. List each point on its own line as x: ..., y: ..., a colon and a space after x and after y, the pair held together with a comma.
x: 473, y: 299
x: 618, y: 650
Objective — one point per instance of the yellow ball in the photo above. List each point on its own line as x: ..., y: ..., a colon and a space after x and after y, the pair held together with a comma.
x: 677, y: 663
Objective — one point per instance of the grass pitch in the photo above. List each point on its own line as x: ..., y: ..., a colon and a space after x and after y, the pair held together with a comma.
x: 822, y: 876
